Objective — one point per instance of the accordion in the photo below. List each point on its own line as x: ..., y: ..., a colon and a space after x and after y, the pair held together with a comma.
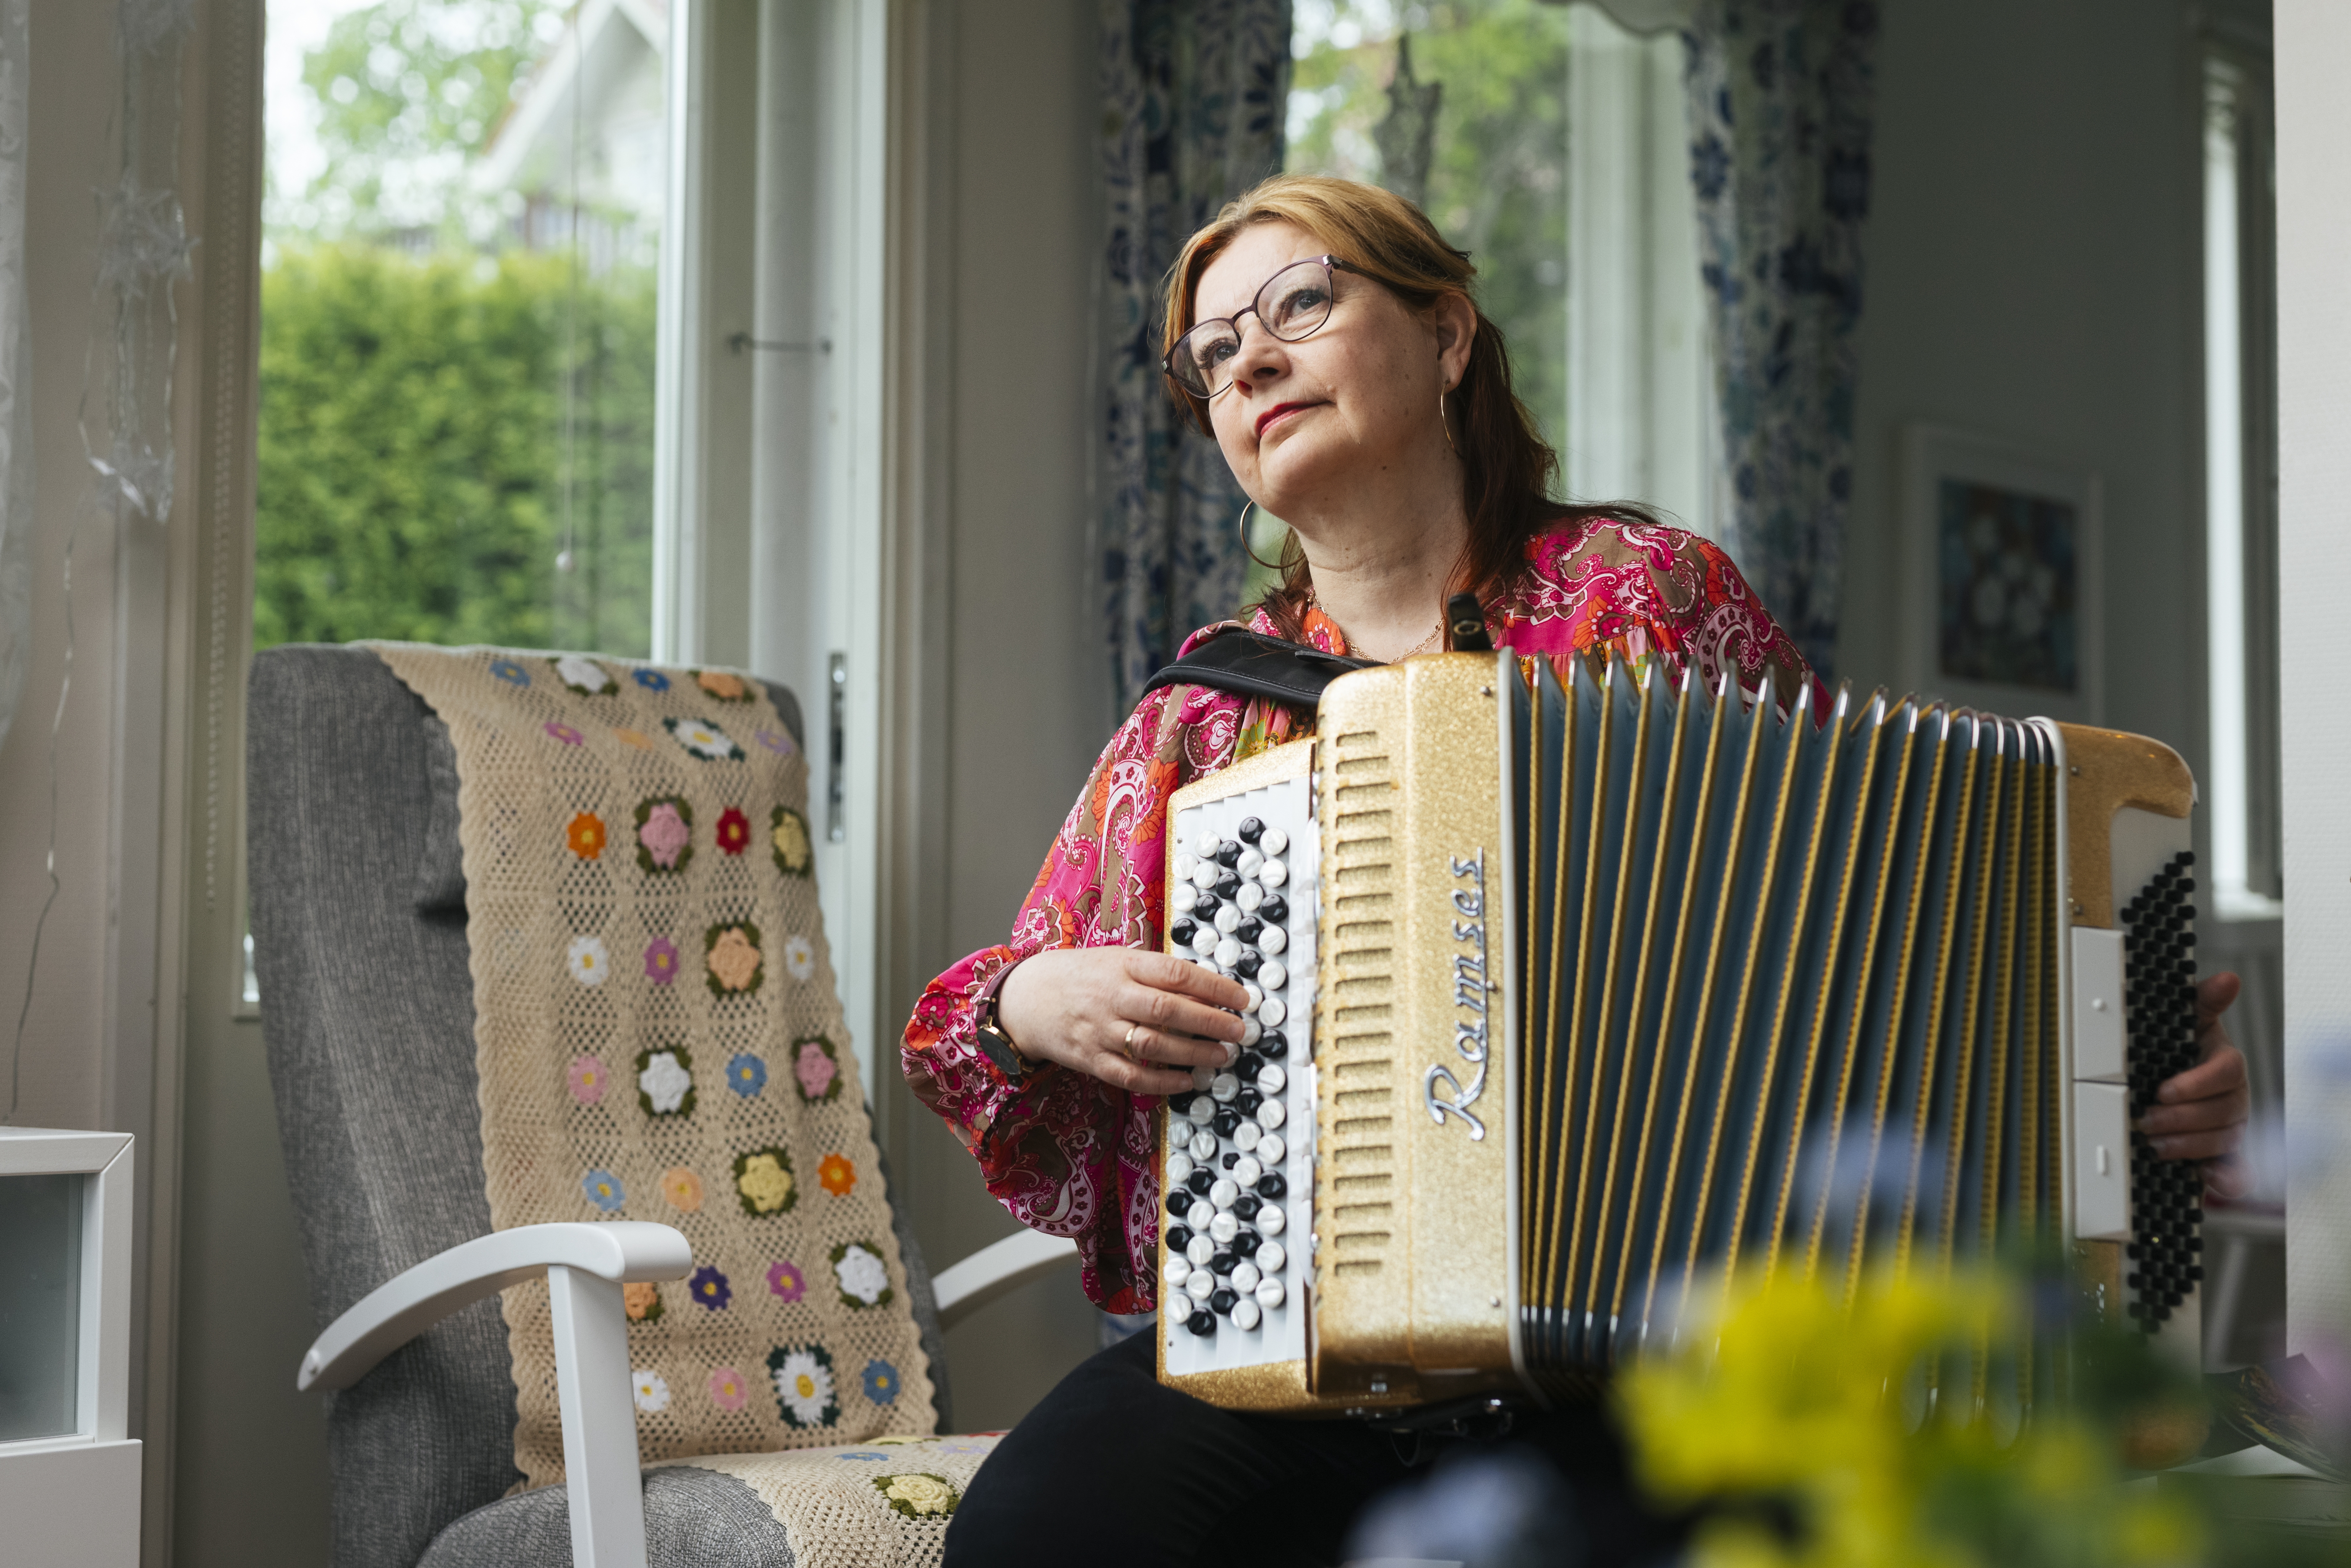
x: 1568, y: 987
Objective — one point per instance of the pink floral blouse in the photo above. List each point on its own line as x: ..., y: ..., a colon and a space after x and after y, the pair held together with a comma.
x: 1071, y: 1155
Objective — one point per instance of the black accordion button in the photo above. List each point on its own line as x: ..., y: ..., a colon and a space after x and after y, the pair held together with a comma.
x: 1179, y: 1237
x: 1247, y: 964
x: 1227, y: 854
x: 1249, y: 930
x: 1270, y: 1186
x: 1232, y: 1157
x: 1246, y: 1102
x: 1178, y: 1201
x: 1275, y: 909
x: 1182, y: 932
x: 1205, y: 905
x: 1246, y: 1207
x: 1222, y: 1301
x: 1227, y: 885
x: 1245, y: 1244
x: 1247, y: 1065
x: 1223, y: 1262
x: 1273, y: 1044
x: 1201, y: 1180
x: 1201, y: 1324
x: 1250, y: 830
x: 1228, y: 1120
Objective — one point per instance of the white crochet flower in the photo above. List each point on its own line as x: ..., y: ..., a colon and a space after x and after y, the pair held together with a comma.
x: 805, y: 1386
x: 799, y: 958
x: 587, y: 960
x: 653, y: 1390
x: 862, y: 1274
x: 665, y: 1081
x: 702, y: 738
x: 582, y: 675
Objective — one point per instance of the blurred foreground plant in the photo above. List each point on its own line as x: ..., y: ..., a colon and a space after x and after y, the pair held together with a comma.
x: 1812, y: 1434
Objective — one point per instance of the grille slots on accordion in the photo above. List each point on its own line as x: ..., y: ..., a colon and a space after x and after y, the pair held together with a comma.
x: 1570, y: 989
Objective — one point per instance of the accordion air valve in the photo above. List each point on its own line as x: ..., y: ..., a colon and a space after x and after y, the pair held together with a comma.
x: 1569, y: 988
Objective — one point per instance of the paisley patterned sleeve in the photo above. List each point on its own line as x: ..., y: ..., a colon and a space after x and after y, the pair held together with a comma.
x: 1065, y: 1153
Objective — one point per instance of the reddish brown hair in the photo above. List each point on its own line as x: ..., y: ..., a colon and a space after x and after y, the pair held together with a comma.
x: 1506, y: 467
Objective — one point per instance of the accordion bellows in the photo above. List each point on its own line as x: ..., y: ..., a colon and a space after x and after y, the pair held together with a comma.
x: 1616, y: 985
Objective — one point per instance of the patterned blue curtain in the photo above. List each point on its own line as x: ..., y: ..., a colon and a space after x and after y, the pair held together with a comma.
x: 1194, y: 95
x: 1780, y: 119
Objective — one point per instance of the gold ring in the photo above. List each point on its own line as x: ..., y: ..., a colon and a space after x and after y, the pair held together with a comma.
x: 1127, y: 1049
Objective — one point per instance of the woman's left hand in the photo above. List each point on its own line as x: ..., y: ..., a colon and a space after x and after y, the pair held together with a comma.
x: 2201, y: 1114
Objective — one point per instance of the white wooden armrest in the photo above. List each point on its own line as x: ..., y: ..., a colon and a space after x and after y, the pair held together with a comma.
x: 585, y: 1267
x: 1003, y: 1266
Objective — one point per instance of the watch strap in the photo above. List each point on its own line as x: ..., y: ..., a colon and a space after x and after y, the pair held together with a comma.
x: 988, y: 1033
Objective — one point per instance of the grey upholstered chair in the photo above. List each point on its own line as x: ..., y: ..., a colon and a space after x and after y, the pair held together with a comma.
x: 360, y: 939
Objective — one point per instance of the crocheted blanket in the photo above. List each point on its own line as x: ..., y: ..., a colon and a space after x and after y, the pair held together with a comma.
x: 658, y: 1037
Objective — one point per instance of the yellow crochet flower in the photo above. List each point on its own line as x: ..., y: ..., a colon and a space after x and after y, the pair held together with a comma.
x: 765, y: 1183
x: 921, y: 1494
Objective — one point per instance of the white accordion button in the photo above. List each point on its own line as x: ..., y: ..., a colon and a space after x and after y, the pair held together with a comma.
x: 1273, y: 940
x: 1201, y: 1285
x: 1201, y: 1129
x: 1204, y: 874
x: 1227, y: 918
x: 1246, y: 1170
x: 1271, y: 1152
x: 1198, y: 1250
x: 1223, y: 1229
x: 1185, y: 863
x: 1179, y: 1269
x: 1246, y: 1137
x: 1184, y: 898
x: 1249, y: 897
x: 1248, y: 862
x: 1245, y: 1314
x: 1270, y: 1114
x: 1179, y: 1165
x: 1274, y: 841
x: 1197, y: 1217
x: 1273, y: 874
x: 1224, y: 1195
x: 1270, y: 1258
x: 1203, y: 940
x: 1271, y: 1078
x: 1245, y: 1278
x: 1271, y: 1222
x: 1272, y: 1012
x: 1222, y: 1088
x: 1270, y: 1293
x: 1206, y: 844
x: 1271, y: 975
x: 1256, y: 997
x: 1228, y: 952
x: 1203, y: 1146
x: 1251, y: 1033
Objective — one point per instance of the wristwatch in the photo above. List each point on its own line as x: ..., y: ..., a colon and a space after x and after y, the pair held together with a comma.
x: 993, y: 1041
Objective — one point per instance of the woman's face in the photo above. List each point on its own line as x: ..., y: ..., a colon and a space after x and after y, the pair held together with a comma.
x: 1355, y: 402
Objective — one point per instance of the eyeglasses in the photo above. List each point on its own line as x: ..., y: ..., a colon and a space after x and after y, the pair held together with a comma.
x: 1293, y: 304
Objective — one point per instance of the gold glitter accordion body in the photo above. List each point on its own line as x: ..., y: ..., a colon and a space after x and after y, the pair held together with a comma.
x: 1572, y: 990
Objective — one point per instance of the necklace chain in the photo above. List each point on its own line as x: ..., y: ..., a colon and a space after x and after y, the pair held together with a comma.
x: 1314, y: 601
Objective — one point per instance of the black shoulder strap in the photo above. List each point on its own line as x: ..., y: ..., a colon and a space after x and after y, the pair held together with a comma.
x: 1254, y: 665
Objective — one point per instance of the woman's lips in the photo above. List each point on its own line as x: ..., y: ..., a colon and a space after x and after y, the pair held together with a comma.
x: 1278, y: 411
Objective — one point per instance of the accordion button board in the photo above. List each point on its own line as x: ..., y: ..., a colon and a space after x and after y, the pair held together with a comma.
x: 1593, y: 988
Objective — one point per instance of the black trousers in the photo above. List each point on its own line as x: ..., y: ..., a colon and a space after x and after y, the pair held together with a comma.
x: 1112, y: 1470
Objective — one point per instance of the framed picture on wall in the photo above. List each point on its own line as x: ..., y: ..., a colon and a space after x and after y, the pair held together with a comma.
x: 2003, y: 577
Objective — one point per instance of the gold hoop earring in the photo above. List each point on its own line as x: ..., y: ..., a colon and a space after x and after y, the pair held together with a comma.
x: 1241, y: 526
x: 1446, y: 426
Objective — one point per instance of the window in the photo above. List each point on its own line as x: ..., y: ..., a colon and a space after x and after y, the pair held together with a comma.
x: 461, y: 239
x: 2240, y: 488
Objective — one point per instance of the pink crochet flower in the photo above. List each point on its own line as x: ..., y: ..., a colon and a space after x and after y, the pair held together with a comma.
x: 661, y: 961
x: 564, y: 733
x: 727, y: 1390
x: 784, y: 1279
x: 586, y: 1075
x: 814, y: 1069
x: 664, y: 835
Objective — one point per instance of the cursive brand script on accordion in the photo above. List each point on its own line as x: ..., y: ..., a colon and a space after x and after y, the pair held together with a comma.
x: 1470, y: 986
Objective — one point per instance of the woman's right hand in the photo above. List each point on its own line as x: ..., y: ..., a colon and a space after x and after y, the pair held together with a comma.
x: 1137, y: 1020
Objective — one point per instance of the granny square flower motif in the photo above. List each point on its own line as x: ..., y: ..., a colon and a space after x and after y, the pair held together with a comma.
x: 726, y: 687
x: 777, y: 741
x: 564, y: 733
x: 881, y: 1381
x: 704, y: 738
x: 786, y: 1282
x: 709, y: 1287
x: 764, y: 1182
x: 661, y: 961
x: 815, y: 1073
x: 799, y: 958
x: 652, y: 680
x: 631, y: 738
x: 836, y: 1176
x: 734, y: 834
x: 803, y: 1374
x: 586, y: 1077
x: 787, y: 835
x: 604, y: 1189
x: 747, y: 1075
x: 683, y: 1188
x: 731, y: 955
x: 585, y: 836
x: 651, y: 1390
x: 641, y: 1300
x: 665, y: 1083
x: 919, y: 1496
x: 584, y: 676
x: 588, y: 959
x: 864, y: 1278
x: 506, y: 670
x: 726, y: 1389
x: 665, y: 835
